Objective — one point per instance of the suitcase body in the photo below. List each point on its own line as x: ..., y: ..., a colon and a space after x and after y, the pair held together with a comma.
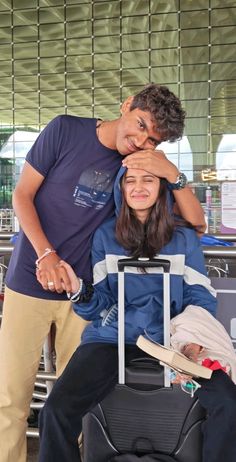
x: 144, y: 414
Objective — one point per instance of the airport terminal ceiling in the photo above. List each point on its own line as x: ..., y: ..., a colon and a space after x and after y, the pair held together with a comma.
x: 85, y: 57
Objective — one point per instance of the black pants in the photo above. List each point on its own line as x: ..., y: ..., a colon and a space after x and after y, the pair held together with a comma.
x: 92, y: 373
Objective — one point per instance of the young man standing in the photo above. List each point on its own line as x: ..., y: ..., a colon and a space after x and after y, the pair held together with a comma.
x: 63, y: 195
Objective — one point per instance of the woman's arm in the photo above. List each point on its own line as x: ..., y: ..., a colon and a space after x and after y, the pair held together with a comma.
x: 156, y: 162
x: 102, y: 298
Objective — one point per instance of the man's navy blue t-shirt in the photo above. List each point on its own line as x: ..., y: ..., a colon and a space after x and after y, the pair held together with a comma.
x: 75, y: 197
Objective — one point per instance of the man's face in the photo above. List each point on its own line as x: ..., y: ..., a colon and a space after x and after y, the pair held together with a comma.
x: 136, y: 130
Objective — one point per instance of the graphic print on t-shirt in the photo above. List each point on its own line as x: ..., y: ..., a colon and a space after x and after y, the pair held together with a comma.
x: 94, y: 189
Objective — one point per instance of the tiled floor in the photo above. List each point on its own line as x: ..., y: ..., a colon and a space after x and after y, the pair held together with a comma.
x: 33, y: 447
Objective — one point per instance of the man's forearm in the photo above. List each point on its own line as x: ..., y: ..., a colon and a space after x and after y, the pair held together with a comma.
x: 29, y: 222
x: 188, y: 206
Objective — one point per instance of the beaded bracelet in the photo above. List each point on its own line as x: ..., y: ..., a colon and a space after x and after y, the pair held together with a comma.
x: 76, y: 296
x: 45, y: 254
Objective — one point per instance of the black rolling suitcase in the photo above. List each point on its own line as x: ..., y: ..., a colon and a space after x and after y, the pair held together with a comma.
x: 144, y: 414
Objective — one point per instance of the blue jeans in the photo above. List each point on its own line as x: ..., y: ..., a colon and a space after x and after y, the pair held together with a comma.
x: 92, y: 373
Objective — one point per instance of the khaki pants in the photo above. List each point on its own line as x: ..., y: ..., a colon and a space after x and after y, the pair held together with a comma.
x: 25, y: 325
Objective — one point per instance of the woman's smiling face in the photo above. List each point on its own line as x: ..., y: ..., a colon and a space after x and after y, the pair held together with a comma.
x: 141, y: 190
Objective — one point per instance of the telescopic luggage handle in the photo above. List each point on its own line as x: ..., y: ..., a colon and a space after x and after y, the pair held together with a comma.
x: 142, y: 263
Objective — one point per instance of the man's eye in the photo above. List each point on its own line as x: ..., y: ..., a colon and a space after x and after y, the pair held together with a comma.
x: 140, y: 124
x: 154, y: 143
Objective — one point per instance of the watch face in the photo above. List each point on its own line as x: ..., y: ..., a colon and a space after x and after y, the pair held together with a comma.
x: 182, y: 180
x: 180, y: 183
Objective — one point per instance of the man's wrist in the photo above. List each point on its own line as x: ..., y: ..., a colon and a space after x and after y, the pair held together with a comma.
x: 180, y: 182
x: 46, y: 252
x: 172, y: 176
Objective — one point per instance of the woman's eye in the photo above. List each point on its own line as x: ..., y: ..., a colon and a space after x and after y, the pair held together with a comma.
x: 140, y: 124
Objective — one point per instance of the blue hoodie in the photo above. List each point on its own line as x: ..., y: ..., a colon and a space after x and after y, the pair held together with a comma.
x: 189, y: 285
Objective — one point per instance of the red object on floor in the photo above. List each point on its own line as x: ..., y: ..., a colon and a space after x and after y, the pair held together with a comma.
x: 213, y: 365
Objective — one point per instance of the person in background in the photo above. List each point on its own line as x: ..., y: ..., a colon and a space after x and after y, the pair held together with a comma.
x: 64, y: 193
x: 144, y: 227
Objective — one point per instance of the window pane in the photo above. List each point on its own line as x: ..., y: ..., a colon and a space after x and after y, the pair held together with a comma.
x: 107, y: 61
x: 106, y: 26
x: 135, y: 76
x: 192, y: 19
x: 51, y: 15
x: 25, y: 17
x: 107, y: 9
x: 79, y: 80
x: 223, y: 17
x: 164, y: 22
x: 107, y: 44
x: 25, y: 50
x: 5, y: 52
x: 79, y: 29
x: 51, y: 31
x: 79, y: 63
x: 135, y: 24
x: 26, y: 100
x: 52, y: 98
x: 25, y: 34
x: 5, y: 35
x: 6, y: 101
x: 5, y: 68
x: 23, y: 83
x: 106, y: 78
x: 52, y: 48
x: 79, y: 97
x: 129, y: 7
x: 166, y: 39
x: 165, y: 75
x: 26, y: 67
x: 50, y: 65
x: 135, y: 59
x: 105, y: 96
x: 77, y: 12
x: 162, y: 6
x: 168, y: 57
x: 5, y: 19
x: 79, y: 46
x: 50, y: 82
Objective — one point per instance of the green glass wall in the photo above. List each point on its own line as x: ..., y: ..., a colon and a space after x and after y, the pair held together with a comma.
x: 85, y: 57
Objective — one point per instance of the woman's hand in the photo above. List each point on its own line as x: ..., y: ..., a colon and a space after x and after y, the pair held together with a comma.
x: 192, y: 351
x: 74, y: 281
x: 180, y: 378
x: 51, y: 275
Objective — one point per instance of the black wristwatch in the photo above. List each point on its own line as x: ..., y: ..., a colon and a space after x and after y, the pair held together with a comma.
x: 180, y: 183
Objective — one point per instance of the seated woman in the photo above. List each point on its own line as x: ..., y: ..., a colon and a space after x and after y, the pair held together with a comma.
x: 144, y: 227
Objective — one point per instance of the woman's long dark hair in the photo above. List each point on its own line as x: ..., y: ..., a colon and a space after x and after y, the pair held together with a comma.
x: 145, y: 239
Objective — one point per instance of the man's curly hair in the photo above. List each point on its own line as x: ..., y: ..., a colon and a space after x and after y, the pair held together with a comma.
x: 165, y: 108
